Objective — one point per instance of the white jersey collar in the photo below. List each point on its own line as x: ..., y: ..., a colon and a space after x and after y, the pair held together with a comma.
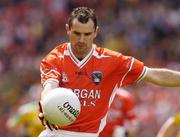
x: 75, y: 59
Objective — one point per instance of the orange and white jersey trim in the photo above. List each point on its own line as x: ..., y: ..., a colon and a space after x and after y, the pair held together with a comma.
x: 94, y: 79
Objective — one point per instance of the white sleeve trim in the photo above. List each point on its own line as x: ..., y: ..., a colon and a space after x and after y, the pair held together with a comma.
x: 52, y: 70
x: 143, y: 74
x: 51, y: 80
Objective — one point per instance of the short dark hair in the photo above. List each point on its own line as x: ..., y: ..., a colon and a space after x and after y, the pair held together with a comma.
x: 83, y: 14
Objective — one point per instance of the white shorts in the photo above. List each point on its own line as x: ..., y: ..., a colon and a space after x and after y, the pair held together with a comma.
x: 62, y: 133
x: 119, y: 131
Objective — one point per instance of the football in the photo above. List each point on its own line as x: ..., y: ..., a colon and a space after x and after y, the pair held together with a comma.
x: 61, y: 106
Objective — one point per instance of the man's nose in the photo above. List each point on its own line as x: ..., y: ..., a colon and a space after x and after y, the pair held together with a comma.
x: 81, y: 39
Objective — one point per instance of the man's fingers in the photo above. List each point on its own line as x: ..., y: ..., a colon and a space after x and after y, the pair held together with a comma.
x: 40, y: 107
x: 43, y: 121
x: 49, y: 126
x: 55, y: 127
x: 41, y: 117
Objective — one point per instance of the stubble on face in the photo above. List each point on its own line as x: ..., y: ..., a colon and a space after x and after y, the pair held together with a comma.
x: 81, y: 37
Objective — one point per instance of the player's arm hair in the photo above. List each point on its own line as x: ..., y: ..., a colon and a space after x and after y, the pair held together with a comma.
x: 163, y: 77
x: 48, y: 87
x: 167, y: 129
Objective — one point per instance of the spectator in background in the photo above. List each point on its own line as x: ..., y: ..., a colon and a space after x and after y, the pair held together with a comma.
x: 121, y: 118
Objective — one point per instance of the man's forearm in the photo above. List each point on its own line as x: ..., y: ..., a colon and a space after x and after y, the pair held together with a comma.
x: 48, y: 87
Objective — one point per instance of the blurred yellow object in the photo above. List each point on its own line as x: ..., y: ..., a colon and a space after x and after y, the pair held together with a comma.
x: 177, y: 119
x: 26, y: 120
x: 171, y: 128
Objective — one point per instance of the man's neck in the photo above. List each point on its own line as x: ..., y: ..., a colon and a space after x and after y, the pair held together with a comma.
x: 80, y: 59
x: 81, y: 55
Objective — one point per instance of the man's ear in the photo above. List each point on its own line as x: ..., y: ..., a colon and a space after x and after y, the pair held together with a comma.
x: 67, y: 28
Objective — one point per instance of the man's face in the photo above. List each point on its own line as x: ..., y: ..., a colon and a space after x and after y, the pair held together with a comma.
x: 81, y: 36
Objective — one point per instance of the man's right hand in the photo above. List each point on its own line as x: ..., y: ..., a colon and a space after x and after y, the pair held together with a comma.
x: 44, y: 121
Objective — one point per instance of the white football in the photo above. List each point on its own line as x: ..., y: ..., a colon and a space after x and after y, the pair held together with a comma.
x: 61, y: 106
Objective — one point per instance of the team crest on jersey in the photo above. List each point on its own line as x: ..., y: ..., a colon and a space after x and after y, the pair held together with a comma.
x: 96, y: 77
x: 65, y: 78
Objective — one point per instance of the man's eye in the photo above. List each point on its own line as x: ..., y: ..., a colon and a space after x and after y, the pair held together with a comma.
x: 87, y: 34
x: 77, y: 33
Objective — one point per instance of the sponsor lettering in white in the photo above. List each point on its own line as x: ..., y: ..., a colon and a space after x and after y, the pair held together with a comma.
x: 84, y: 93
x: 88, y: 97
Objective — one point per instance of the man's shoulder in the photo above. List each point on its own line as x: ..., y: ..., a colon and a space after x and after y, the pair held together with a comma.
x: 107, y: 52
x: 59, y: 49
x: 61, y: 46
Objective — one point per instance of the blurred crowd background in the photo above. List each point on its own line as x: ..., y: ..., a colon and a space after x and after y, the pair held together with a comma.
x: 149, y: 30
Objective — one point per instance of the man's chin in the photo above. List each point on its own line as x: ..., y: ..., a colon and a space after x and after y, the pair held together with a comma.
x: 81, y: 47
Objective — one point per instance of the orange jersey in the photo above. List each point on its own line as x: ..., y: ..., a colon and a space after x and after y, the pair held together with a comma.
x: 121, y: 110
x: 94, y: 80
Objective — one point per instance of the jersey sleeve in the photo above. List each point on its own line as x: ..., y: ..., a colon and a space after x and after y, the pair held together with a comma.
x: 133, y: 70
x: 50, y: 68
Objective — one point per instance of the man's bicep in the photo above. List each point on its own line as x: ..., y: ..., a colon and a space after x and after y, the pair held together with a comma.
x: 155, y: 75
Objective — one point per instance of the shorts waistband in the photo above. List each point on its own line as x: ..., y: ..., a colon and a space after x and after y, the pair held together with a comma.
x: 76, y: 134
